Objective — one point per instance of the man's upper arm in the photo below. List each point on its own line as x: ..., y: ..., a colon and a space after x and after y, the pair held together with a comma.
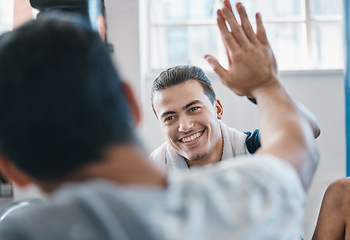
x: 247, y: 195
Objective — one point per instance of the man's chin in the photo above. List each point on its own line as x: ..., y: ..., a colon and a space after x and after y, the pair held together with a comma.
x: 197, y: 157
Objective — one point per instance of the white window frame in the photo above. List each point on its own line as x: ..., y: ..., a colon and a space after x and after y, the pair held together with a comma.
x: 6, y: 14
x: 307, y: 21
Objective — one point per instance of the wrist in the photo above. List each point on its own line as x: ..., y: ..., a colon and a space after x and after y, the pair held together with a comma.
x: 270, y: 87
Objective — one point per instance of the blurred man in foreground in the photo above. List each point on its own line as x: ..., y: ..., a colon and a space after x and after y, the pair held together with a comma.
x: 67, y: 124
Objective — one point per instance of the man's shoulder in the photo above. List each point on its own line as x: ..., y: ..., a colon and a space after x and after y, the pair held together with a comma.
x: 159, y: 154
x: 232, y: 133
x: 251, y: 139
x: 256, y: 178
x: 94, y: 210
x: 241, y: 142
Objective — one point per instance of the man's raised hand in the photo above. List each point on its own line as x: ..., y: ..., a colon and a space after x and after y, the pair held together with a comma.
x: 251, y: 61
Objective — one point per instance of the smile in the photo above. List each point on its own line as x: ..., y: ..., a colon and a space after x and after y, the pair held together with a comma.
x: 191, y: 138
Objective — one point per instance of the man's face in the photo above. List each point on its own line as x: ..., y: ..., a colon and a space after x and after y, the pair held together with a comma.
x: 189, y: 121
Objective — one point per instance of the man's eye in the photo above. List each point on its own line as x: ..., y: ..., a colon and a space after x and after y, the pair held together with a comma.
x: 192, y: 109
x: 169, y: 118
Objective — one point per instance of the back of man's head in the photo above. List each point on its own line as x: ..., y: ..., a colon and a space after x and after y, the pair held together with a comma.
x: 182, y: 73
x: 61, y: 99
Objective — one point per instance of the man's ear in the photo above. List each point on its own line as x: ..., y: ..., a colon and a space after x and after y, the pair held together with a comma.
x: 12, y: 173
x: 219, y: 109
x: 101, y: 27
x: 133, y: 106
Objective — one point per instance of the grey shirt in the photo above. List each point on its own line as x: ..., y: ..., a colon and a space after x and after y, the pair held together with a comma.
x: 259, y: 197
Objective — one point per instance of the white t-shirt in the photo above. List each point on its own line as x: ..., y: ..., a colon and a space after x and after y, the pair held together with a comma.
x: 258, y: 198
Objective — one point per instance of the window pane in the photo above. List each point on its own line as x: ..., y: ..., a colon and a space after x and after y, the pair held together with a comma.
x: 327, y: 41
x: 326, y: 8
x: 6, y: 15
x: 183, y: 45
x: 168, y: 11
x: 275, y: 9
x: 187, y: 30
x: 289, y: 45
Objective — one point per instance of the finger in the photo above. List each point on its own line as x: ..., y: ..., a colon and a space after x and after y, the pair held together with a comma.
x: 222, y: 37
x: 213, y: 62
x: 229, y: 58
x: 228, y: 39
x: 260, y: 29
x: 236, y: 29
x: 247, y: 27
x: 228, y: 5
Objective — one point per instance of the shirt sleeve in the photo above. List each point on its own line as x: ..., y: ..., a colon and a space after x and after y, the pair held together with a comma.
x: 256, y: 198
x: 252, y: 141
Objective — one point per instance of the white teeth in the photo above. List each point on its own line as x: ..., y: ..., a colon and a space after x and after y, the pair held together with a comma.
x: 191, y: 138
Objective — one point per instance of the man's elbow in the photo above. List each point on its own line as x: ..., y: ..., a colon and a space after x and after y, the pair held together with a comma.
x: 308, y: 166
x: 317, y: 131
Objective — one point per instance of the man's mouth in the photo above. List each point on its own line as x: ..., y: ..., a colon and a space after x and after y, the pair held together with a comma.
x: 192, y: 137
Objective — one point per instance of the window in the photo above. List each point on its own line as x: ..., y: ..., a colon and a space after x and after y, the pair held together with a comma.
x: 304, y: 34
x: 6, y: 15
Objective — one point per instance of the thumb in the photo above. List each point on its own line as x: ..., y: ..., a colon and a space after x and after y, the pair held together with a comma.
x: 213, y: 62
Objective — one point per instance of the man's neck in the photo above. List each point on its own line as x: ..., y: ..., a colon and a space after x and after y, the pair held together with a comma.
x: 123, y: 164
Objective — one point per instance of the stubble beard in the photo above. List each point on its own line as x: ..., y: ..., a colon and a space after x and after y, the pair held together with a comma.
x: 198, y: 158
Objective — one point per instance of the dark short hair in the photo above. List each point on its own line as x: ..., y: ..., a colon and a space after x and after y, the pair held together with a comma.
x: 179, y: 74
x: 61, y: 98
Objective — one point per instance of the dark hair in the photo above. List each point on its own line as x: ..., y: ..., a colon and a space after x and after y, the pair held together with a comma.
x: 61, y: 99
x: 179, y: 74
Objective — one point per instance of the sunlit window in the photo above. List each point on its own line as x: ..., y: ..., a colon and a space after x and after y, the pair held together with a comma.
x: 6, y: 15
x: 305, y: 34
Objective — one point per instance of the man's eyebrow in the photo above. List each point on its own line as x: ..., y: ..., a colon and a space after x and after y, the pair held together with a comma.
x: 191, y: 103
x: 183, y: 108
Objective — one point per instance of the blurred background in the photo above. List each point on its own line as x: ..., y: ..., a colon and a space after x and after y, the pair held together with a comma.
x: 307, y: 38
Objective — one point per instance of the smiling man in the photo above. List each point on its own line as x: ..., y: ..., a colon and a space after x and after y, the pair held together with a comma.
x: 189, y: 112
x: 189, y: 115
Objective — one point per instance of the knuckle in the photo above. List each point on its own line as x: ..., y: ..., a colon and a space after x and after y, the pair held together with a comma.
x: 215, y: 68
x: 262, y: 31
x: 227, y: 36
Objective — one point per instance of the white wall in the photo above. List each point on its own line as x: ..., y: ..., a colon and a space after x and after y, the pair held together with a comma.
x: 324, y: 95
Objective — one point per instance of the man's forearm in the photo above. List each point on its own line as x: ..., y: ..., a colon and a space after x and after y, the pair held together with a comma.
x: 310, y: 117
x: 307, y: 114
x: 289, y: 135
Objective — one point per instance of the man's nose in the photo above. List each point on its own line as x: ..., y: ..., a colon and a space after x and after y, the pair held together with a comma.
x: 185, y: 124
